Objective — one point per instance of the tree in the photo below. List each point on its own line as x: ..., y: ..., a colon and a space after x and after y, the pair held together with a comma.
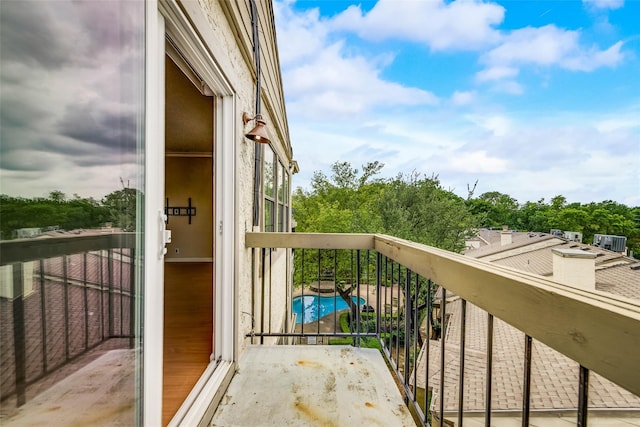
x: 346, y: 202
x: 495, y: 209
x: 418, y: 208
x: 121, y: 205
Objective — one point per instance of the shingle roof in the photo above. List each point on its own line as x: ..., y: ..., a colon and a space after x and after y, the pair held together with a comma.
x: 615, y: 273
x: 554, y: 376
x: 519, y: 239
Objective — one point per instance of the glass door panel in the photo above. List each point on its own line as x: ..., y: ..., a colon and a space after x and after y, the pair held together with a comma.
x: 71, y: 194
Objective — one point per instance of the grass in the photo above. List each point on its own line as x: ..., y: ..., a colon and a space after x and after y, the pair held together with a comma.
x: 365, y: 342
x: 344, y: 327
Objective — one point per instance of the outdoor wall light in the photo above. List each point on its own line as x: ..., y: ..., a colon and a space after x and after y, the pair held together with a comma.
x: 259, y: 132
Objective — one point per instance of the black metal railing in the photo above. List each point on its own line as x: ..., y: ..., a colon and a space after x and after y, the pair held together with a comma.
x: 419, y: 323
x: 61, y: 298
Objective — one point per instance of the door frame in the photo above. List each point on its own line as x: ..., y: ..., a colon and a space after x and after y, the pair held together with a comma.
x: 166, y: 17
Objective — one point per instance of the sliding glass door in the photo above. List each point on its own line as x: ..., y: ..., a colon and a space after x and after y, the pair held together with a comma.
x: 72, y: 190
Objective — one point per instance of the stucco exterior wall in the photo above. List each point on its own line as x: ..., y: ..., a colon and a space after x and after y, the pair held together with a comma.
x: 225, y: 28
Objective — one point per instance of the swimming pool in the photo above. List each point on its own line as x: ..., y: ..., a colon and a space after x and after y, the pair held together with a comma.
x: 311, y: 307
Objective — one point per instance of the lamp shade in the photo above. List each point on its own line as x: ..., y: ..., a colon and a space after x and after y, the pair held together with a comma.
x: 259, y: 132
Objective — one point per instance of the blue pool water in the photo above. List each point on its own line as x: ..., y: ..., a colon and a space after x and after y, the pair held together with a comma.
x: 311, y: 307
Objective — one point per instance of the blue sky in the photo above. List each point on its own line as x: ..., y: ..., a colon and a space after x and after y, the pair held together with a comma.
x: 528, y: 98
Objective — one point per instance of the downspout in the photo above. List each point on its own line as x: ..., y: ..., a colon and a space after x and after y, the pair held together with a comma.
x: 257, y: 173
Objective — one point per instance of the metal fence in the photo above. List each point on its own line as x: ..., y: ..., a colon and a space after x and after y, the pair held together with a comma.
x: 61, y: 298
x: 419, y: 325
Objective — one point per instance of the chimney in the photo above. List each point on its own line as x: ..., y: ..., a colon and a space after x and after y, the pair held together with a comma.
x: 574, y: 267
x: 506, y: 236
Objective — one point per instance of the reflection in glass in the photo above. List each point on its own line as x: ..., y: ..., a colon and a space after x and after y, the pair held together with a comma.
x: 71, y: 88
x: 269, y: 175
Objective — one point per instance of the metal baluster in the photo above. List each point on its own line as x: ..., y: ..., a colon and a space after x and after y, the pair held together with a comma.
x: 489, y: 376
x: 262, y: 290
x: 426, y: 355
x: 110, y: 291
x: 443, y: 334
x: 101, y: 296
x: 302, y: 310
x: 319, y: 276
x: 65, y: 282
x: 121, y: 302
x: 86, y: 301
x: 387, y: 320
x: 397, y: 328
x: 253, y: 292
x: 416, y: 332
x: 336, y: 324
x: 19, y: 334
x: 583, y: 397
x: 407, y: 324
x: 132, y: 297
x: 43, y: 317
x: 270, y: 288
x: 463, y: 327
x: 358, y: 278
x: 378, y: 294
x: 526, y: 392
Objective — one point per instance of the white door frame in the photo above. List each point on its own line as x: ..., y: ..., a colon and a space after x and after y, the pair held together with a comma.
x: 153, y: 308
x: 166, y: 17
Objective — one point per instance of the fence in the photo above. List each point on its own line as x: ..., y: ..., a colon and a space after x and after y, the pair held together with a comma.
x: 412, y: 302
x: 61, y: 298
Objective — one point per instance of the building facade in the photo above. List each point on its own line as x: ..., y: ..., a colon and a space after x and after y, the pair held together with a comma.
x: 135, y: 111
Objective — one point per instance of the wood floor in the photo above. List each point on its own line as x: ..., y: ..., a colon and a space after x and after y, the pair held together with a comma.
x: 188, y: 329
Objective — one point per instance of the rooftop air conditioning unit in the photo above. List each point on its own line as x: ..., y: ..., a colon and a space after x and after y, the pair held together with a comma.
x: 612, y: 243
x: 573, y: 236
x: 556, y: 232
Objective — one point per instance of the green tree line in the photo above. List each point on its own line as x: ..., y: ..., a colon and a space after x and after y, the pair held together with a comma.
x: 59, y: 212
x: 417, y: 207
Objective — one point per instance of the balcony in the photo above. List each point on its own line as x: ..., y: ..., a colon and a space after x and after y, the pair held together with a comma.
x: 67, y: 329
x: 424, y: 330
x: 443, y: 324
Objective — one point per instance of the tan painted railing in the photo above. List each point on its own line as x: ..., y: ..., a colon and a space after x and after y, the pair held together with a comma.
x: 598, y: 330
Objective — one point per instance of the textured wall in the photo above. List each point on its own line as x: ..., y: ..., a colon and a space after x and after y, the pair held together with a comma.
x: 229, y: 38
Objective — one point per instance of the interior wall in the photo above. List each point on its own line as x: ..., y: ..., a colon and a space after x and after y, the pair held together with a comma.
x: 188, y: 168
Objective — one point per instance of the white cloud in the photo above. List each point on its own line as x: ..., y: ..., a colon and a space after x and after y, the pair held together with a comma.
x: 604, y: 4
x: 618, y: 123
x: 354, y: 113
x: 497, y: 73
x: 464, y: 25
x: 594, y: 58
x: 478, y: 162
x: 329, y: 82
x: 543, y: 46
x: 497, y: 125
x: 546, y: 46
x: 463, y: 98
x: 300, y: 35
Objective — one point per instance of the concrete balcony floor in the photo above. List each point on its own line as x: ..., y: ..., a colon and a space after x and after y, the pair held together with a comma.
x: 312, y: 385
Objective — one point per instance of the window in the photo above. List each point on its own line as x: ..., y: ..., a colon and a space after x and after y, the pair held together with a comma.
x: 276, y: 193
x: 269, y: 170
x: 281, y: 214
